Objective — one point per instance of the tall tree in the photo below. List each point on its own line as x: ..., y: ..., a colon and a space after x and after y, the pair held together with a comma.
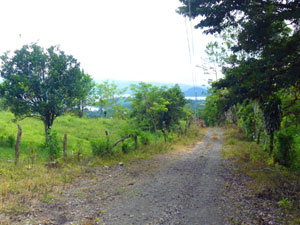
x: 40, y: 83
x: 175, y: 111
x: 265, y: 56
x: 148, y: 105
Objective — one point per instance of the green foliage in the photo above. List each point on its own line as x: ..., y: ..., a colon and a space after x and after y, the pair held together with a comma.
x: 125, y: 147
x: 85, y: 95
x: 41, y: 83
x: 285, y: 203
x: 175, y: 97
x: 11, y: 141
x: 148, y: 105
x: 213, y: 111
x: 145, y: 139
x: 106, y: 96
x: 7, y: 141
x: 285, y: 153
x: 52, y: 145
x: 259, y: 55
x: 272, y: 114
x: 99, y: 146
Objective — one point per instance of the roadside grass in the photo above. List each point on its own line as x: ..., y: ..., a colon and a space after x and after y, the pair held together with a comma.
x: 268, y: 181
x: 36, y: 179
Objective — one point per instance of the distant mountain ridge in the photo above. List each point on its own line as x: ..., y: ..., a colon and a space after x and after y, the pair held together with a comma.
x: 188, y: 90
x: 201, y: 92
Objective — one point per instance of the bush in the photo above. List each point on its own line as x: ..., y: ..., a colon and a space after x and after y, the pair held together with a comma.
x: 145, y: 140
x: 11, y: 141
x: 125, y: 147
x: 285, y: 153
x: 7, y: 141
x: 52, y: 145
x: 99, y: 146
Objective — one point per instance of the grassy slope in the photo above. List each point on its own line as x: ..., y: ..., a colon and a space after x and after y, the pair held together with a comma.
x: 33, y: 180
x: 79, y: 131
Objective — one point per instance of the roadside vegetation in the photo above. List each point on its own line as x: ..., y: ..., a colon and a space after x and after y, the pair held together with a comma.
x: 36, y: 178
x: 47, y: 141
x: 257, y: 46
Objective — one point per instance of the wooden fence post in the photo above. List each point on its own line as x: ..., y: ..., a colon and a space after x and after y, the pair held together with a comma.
x: 65, y: 145
x: 17, y: 146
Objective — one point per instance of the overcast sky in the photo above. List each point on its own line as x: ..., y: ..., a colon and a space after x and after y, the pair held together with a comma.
x: 143, y: 40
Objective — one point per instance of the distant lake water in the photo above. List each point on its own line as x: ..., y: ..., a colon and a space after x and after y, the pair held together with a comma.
x: 198, y: 98
x: 191, y: 98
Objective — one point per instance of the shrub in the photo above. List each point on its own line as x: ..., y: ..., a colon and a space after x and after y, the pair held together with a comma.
x: 7, y: 141
x: 285, y: 153
x: 11, y: 141
x: 52, y: 145
x: 125, y: 147
x: 99, y: 146
x: 145, y: 140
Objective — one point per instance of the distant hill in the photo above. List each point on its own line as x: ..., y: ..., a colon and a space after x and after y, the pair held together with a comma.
x: 188, y: 90
x: 201, y: 92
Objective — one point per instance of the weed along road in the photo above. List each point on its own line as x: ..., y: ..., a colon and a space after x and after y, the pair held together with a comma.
x: 185, y: 189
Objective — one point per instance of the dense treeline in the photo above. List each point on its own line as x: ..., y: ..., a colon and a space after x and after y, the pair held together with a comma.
x: 259, y: 51
x: 45, y: 84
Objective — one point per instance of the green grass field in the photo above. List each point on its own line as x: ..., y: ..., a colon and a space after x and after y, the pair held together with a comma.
x: 80, y: 131
x: 34, y: 180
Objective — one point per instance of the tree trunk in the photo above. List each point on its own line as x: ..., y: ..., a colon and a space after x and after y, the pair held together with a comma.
x: 179, y: 132
x: 234, y: 117
x: 186, y: 128
x: 80, y: 113
x: 165, y: 135
x: 135, y: 142
x: 258, y: 136
x: 120, y: 140
x: 155, y: 129
x: 164, y: 130
x: 17, y: 149
x: 271, y: 142
x: 107, y: 141
x: 47, y: 129
x: 65, y: 145
x: 254, y: 131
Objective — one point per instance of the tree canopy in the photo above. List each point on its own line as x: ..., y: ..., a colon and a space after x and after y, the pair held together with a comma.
x: 262, y: 58
x: 41, y: 83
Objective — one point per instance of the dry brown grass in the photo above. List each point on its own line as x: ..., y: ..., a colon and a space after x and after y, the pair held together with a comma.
x: 22, y: 186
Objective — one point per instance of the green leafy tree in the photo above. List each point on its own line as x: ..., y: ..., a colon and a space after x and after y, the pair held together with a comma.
x: 85, y: 94
x: 40, y: 83
x: 107, y: 95
x: 175, y: 112
x: 148, y: 105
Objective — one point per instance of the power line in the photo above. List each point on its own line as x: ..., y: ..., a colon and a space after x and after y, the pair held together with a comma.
x: 191, y: 50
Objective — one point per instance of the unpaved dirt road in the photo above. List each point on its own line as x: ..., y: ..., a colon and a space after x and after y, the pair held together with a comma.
x: 185, y: 190
x: 179, y: 187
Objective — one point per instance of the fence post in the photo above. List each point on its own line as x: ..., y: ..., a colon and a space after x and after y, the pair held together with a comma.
x: 17, y: 146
